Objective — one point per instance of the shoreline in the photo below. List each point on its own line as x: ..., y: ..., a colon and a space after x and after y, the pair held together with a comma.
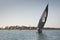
x: 28, y: 28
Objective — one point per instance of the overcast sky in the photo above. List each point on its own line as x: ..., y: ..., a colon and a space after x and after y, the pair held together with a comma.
x: 28, y: 12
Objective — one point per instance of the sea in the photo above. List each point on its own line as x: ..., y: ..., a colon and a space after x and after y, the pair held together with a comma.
x: 29, y: 35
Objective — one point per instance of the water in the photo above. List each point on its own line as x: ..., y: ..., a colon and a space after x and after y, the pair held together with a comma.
x: 29, y: 35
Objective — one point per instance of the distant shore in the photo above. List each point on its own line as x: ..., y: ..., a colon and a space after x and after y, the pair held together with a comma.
x: 26, y: 28
x: 51, y: 28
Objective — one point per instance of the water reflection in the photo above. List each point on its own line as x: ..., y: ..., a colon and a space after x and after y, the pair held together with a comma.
x: 41, y: 36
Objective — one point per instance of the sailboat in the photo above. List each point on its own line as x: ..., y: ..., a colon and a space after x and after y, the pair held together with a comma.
x: 43, y: 19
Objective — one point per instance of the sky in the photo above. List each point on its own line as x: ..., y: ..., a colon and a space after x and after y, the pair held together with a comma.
x: 28, y: 12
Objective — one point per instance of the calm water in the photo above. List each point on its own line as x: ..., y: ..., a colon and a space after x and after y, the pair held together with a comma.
x: 29, y: 35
